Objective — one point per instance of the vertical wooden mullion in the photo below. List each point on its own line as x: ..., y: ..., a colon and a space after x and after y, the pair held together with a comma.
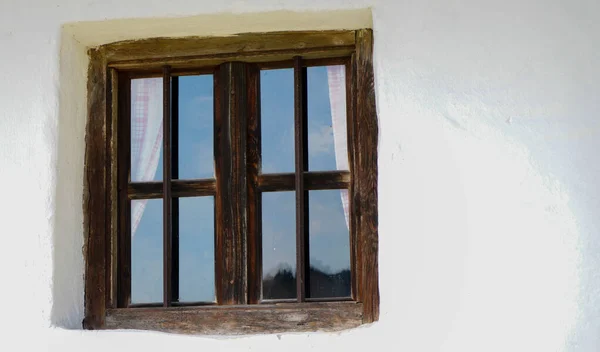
x: 175, y: 176
x: 366, y: 134
x: 301, y: 159
x: 123, y: 179
x: 231, y: 200
x: 167, y: 220
x: 352, y: 189
x: 112, y: 187
x: 254, y: 196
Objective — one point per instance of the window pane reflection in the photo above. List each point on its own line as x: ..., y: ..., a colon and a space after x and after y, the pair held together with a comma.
x: 327, y: 134
x: 279, y: 245
x: 196, y: 249
x: 196, y: 117
x: 329, y: 243
x: 146, y: 251
x: 277, y: 120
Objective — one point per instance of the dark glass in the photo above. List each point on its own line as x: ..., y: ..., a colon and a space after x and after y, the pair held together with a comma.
x: 196, y: 117
x: 279, y: 245
x: 196, y: 249
x: 147, y: 251
x: 329, y: 245
x: 146, y: 129
x: 277, y: 120
x: 327, y: 134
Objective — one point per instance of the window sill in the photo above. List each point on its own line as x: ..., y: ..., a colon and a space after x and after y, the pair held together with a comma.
x: 240, y: 320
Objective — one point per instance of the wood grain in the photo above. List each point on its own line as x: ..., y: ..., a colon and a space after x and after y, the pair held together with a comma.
x: 313, y: 181
x: 237, y: 320
x: 250, y: 47
x: 253, y: 166
x: 366, y: 172
x: 203, y: 62
x: 94, y: 201
x: 231, y: 200
x: 180, y: 188
x: 111, y: 184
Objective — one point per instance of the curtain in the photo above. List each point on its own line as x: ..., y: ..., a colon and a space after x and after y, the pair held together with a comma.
x: 336, y: 77
x: 146, y: 137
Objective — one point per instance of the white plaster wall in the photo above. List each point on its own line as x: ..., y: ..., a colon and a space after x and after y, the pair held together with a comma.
x: 489, y: 116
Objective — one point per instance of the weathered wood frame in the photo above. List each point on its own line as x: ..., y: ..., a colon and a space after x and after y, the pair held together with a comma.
x: 237, y: 310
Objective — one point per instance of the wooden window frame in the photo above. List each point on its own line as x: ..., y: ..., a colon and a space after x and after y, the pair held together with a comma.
x: 237, y: 310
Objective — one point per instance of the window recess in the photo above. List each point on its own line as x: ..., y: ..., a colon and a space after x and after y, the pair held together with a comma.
x: 262, y: 217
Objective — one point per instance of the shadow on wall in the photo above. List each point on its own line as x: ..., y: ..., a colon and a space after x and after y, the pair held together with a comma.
x: 68, y: 241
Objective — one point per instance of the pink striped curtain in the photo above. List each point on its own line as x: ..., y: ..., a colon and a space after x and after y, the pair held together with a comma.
x: 336, y: 77
x: 146, y: 137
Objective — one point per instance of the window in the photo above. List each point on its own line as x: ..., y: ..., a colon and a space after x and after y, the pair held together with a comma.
x: 246, y: 211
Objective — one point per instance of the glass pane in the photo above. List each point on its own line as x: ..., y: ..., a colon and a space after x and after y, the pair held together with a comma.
x: 196, y: 158
x: 146, y: 251
x: 329, y: 243
x: 279, y: 245
x: 146, y: 129
x: 196, y: 249
x: 327, y: 135
x: 277, y: 120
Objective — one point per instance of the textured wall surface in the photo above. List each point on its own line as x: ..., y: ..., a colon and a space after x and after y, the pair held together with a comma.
x: 489, y: 126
